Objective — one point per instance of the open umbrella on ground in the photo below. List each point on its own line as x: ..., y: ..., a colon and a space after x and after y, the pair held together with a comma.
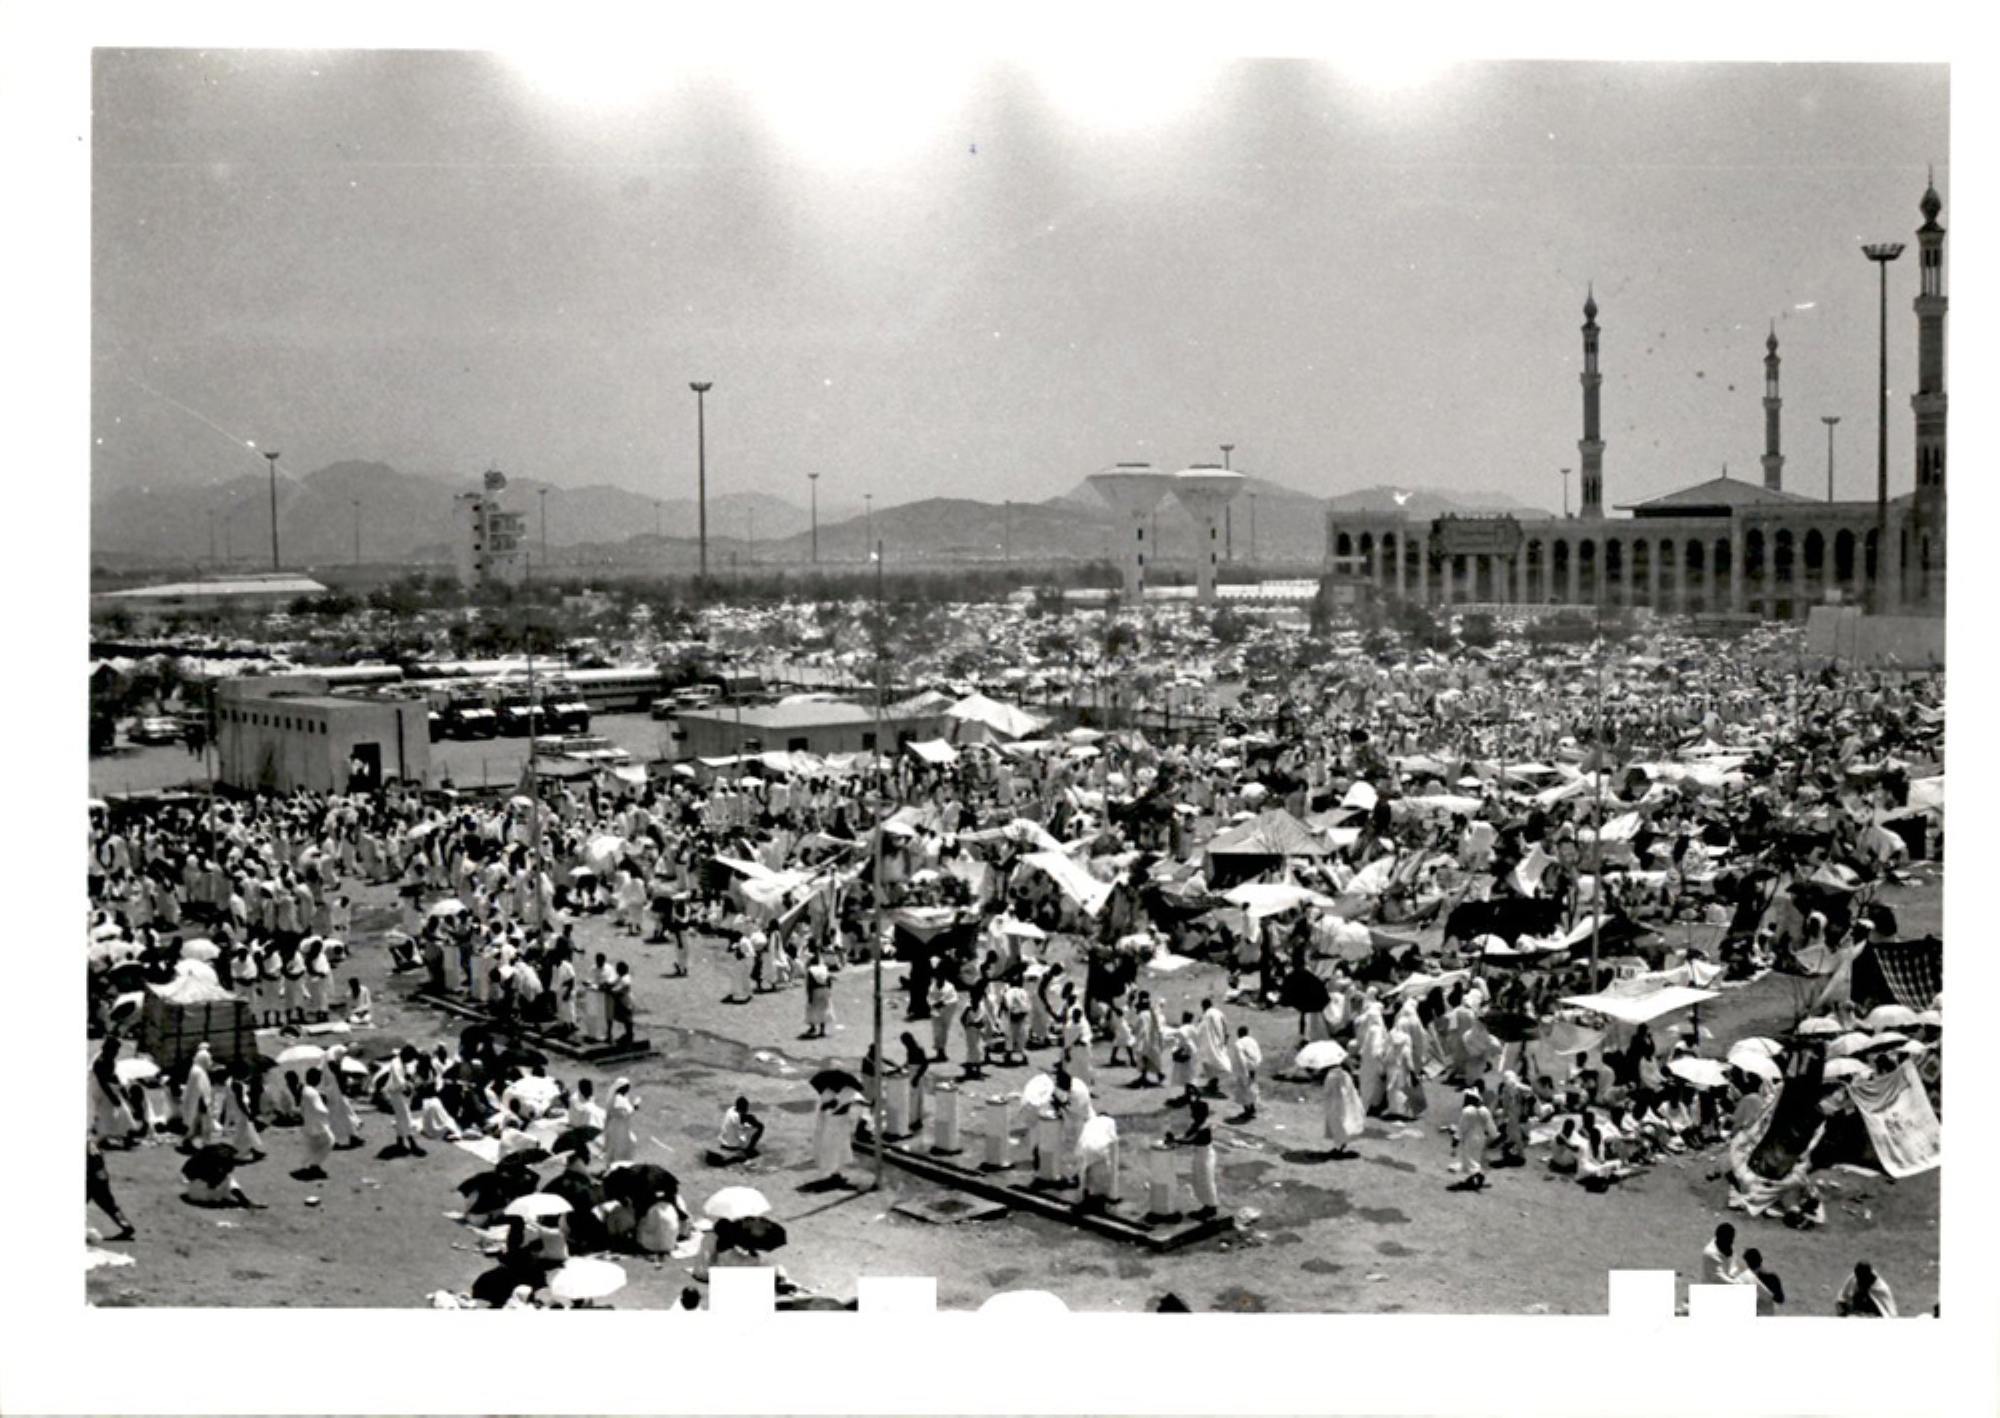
x: 581, y: 1190
x: 301, y: 1055
x: 835, y: 1080
x: 1820, y: 1025
x: 1757, y: 1043
x: 576, y: 1139
x: 1320, y: 1054
x: 210, y: 1165
x: 1845, y: 1068
x: 1890, y: 1016
x: 450, y: 906
x: 582, y: 1279
x: 640, y: 1184
x: 756, y: 1234
x: 735, y: 1203
x: 1702, y: 1073
x: 486, y: 1192
x: 538, y: 1204
x: 200, y: 948
x: 1760, y: 1065
x: 1847, y: 1045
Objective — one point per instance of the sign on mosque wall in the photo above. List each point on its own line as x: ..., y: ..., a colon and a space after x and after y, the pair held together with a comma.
x: 1477, y: 536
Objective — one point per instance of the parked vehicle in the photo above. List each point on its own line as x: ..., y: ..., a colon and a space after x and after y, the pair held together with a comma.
x: 156, y: 728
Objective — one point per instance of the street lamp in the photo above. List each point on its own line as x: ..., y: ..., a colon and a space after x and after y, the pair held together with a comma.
x: 813, y: 480
x: 271, y: 457
x: 1829, y: 420
x: 701, y: 388
x: 1228, y: 514
x: 1882, y: 253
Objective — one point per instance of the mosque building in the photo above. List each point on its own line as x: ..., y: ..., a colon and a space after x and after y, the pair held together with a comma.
x: 1725, y: 546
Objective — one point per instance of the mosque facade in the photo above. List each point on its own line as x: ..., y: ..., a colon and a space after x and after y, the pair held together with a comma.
x: 1725, y: 546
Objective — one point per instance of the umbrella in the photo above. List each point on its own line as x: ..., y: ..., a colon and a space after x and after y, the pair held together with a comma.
x: 1845, y: 1068
x: 586, y: 1278
x: 1025, y: 929
x: 835, y: 1080
x: 577, y: 873
x: 1304, y: 992
x: 137, y: 1070
x: 210, y: 1165
x: 199, y: 949
x: 1702, y: 1073
x: 1890, y: 1016
x: 1821, y: 1025
x: 1753, y: 1062
x: 196, y: 970
x: 1318, y: 1055
x: 538, y: 1204
x: 489, y: 1191
x: 1756, y: 1043
x: 1933, y: 1017
x: 640, y: 1184
x: 757, y: 1234
x: 576, y: 1139
x: 735, y: 1203
x: 1037, y: 1091
x: 1849, y: 1044
x: 450, y: 906
x: 299, y: 1054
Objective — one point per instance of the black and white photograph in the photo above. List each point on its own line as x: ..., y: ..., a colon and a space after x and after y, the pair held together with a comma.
x: 1237, y: 685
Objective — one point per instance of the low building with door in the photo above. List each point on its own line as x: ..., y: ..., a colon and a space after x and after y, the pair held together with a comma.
x: 284, y: 733
x: 812, y: 726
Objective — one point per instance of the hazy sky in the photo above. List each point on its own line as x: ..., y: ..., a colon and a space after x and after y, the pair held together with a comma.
x: 991, y: 281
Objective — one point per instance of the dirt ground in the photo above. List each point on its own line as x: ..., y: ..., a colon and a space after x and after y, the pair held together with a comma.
x: 1372, y: 1234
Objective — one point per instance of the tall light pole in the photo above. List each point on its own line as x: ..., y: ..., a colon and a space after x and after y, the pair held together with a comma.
x: 1882, y: 253
x: 271, y: 457
x: 1253, y: 529
x: 1228, y: 515
x: 868, y: 504
x: 357, y: 529
x: 1829, y: 420
x: 543, y: 494
x: 1565, y: 473
x: 701, y: 388
x: 812, y: 480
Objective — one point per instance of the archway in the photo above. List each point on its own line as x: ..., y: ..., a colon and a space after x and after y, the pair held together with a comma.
x: 1843, y: 560
x: 1756, y: 589
x: 1814, y: 556
x: 1616, y: 592
x: 1559, y: 568
x: 1693, y: 563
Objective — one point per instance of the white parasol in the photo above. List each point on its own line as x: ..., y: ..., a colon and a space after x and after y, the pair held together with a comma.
x: 450, y: 906
x: 200, y: 948
x: 1890, y: 1016
x: 299, y: 1054
x: 1702, y: 1073
x: 586, y: 1278
x: 735, y: 1203
x: 1845, y: 1068
x: 1319, y: 1054
x: 538, y: 1204
x: 1753, y: 1062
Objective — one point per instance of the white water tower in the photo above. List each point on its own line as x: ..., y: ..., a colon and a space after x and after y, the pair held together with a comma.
x: 1206, y: 491
x: 1134, y: 490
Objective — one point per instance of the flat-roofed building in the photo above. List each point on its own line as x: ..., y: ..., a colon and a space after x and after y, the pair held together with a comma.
x: 280, y: 734
x: 820, y: 727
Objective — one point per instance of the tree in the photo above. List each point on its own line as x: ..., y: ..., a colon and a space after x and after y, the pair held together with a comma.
x: 1229, y: 626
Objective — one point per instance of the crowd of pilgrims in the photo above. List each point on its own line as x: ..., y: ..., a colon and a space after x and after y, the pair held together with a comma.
x: 270, y: 881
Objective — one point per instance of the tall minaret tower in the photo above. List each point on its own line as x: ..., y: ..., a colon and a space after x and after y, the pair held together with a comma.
x: 1928, y: 521
x: 1590, y: 448
x: 1774, y: 461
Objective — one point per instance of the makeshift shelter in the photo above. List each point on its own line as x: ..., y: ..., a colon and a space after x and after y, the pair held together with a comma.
x: 179, y: 1017
x: 1263, y: 843
x: 983, y: 720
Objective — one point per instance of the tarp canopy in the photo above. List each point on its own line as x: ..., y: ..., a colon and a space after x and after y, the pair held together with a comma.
x: 1004, y: 720
x: 933, y: 751
x: 1642, y: 1009
x: 1272, y: 833
x: 1076, y: 883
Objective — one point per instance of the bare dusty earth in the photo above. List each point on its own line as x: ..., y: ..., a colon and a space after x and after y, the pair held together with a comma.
x: 1375, y: 1233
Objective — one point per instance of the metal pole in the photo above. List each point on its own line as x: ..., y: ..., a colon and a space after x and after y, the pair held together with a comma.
x: 701, y: 389
x: 272, y: 458
x: 1829, y: 420
x: 1597, y: 834
x: 1882, y: 253
x: 1228, y: 516
x: 875, y: 1116
x: 813, y: 481
x: 543, y: 493
x: 357, y: 531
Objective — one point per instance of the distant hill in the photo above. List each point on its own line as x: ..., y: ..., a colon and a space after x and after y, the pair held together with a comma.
x: 1428, y: 502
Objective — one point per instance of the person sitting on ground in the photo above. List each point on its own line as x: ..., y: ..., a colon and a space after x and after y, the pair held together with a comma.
x: 360, y: 1003
x: 1865, y: 1295
x: 742, y: 1130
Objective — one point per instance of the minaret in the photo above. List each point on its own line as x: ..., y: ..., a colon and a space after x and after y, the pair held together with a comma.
x: 1591, y: 447
x: 1928, y: 402
x: 1773, y: 460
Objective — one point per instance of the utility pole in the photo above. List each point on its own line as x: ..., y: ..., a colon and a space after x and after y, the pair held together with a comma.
x: 701, y: 388
x: 875, y: 932
x: 1829, y: 420
x: 357, y: 531
x: 1884, y: 593
x: 271, y: 457
x: 812, y: 481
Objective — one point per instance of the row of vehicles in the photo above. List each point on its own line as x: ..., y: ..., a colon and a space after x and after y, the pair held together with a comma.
x: 507, y: 711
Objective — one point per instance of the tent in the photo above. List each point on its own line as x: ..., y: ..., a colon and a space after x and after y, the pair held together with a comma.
x: 1258, y: 845
x: 933, y: 751
x: 1642, y: 1008
x: 981, y: 719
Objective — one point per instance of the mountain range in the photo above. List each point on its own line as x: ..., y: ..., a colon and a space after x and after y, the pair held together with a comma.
x: 407, y: 517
